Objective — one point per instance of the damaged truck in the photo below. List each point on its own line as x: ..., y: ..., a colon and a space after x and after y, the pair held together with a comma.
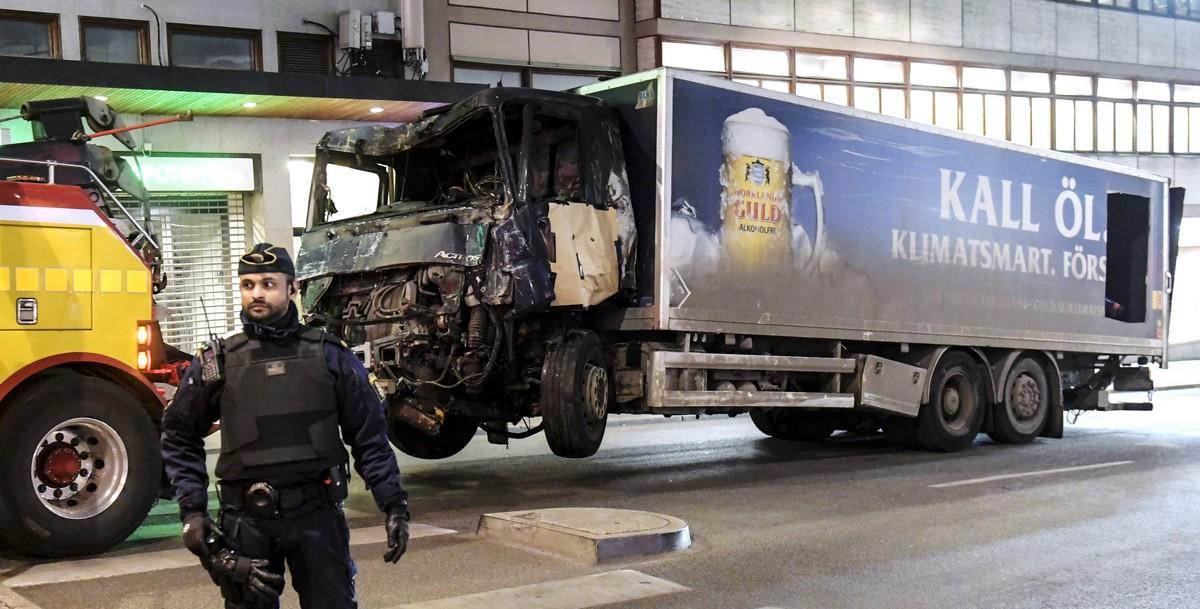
x: 669, y: 243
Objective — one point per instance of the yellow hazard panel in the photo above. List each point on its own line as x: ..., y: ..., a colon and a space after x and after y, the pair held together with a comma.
x: 36, y: 265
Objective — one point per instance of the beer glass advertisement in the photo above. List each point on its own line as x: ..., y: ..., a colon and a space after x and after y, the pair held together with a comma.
x: 788, y: 214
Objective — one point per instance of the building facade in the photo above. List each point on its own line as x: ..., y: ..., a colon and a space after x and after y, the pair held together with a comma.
x: 1112, y: 79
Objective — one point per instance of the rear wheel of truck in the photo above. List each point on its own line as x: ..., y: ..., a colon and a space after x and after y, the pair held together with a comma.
x: 453, y: 436
x: 575, y: 392
x: 80, y: 469
x: 789, y: 425
x: 951, y: 419
x: 1019, y: 418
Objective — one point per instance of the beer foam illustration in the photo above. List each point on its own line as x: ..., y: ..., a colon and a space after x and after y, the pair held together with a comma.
x: 752, y: 132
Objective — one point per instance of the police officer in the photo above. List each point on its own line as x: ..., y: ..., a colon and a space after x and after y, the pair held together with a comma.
x: 282, y: 391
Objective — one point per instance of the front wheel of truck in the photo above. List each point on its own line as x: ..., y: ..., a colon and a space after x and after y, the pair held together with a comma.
x: 575, y: 395
x: 80, y: 469
x: 453, y: 436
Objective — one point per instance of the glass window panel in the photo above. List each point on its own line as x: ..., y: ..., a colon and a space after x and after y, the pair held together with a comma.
x: 782, y: 86
x: 945, y: 109
x: 220, y: 51
x: 112, y: 44
x: 703, y: 57
x: 753, y: 82
x: 1115, y: 88
x: 1162, y: 129
x: 1187, y: 94
x: 933, y: 75
x: 837, y: 94
x: 561, y: 82
x: 1181, y: 131
x: 878, y: 70
x: 491, y: 78
x: 1041, y: 122
x: 995, y: 116
x: 1125, y: 127
x: 760, y: 61
x: 991, y: 79
x: 921, y: 106
x: 1145, y: 128
x: 821, y: 66
x: 1031, y: 82
x: 24, y: 38
x: 1068, y: 84
x: 1020, y: 120
x: 893, y: 102
x: 1156, y: 91
x: 866, y: 98
x: 1194, y: 128
x: 1084, y: 127
x: 972, y: 113
x: 1105, y: 126
x: 809, y: 90
x: 1064, y: 124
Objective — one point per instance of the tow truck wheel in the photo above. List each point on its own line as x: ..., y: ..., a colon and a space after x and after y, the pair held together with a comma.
x: 788, y: 425
x: 1020, y: 417
x: 80, y: 467
x: 951, y: 419
x: 454, y: 435
x: 575, y: 395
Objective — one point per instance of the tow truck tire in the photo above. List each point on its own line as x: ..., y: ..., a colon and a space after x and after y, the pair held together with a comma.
x: 576, y: 389
x: 788, y: 425
x: 1019, y: 419
x: 951, y: 419
x: 454, y: 435
x: 89, y: 440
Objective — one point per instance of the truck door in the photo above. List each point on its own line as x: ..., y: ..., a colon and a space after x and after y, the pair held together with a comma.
x: 1174, y: 220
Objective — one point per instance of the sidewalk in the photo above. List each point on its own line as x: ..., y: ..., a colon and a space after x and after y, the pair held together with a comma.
x: 12, y: 600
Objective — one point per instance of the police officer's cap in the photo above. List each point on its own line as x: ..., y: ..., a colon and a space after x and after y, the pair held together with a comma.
x: 266, y: 258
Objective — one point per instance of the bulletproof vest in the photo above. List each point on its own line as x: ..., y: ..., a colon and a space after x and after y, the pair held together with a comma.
x: 278, y: 408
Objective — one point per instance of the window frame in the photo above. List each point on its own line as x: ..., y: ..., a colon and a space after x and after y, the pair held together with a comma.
x: 141, y: 27
x: 254, y: 36
x: 50, y: 20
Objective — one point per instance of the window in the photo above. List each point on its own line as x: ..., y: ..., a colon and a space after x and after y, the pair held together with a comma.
x: 771, y: 62
x: 114, y: 40
x: 28, y: 34
x: 990, y: 79
x: 510, y: 76
x: 933, y: 75
x: 832, y: 67
x: 1183, y: 9
x: 490, y: 77
x: 878, y: 70
x: 305, y: 53
x: 702, y: 57
x: 220, y: 48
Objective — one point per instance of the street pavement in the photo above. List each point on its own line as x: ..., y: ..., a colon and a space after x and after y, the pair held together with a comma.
x: 1104, y: 518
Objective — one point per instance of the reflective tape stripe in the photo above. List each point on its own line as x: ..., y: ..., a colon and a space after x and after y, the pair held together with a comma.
x: 50, y: 215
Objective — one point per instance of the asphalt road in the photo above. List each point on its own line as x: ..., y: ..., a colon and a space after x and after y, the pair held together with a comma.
x: 1104, y: 518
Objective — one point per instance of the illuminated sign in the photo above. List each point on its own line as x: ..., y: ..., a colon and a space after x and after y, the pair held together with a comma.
x: 194, y: 173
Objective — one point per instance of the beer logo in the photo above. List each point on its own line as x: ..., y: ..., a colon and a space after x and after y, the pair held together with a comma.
x: 758, y: 173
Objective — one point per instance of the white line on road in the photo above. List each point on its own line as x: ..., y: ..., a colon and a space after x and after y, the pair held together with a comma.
x: 146, y: 562
x: 576, y: 593
x: 1044, y: 472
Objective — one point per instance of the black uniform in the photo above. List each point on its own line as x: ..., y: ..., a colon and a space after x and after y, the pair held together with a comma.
x: 286, y: 392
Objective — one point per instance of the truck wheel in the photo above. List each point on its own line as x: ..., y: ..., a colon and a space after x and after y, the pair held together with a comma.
x: 954, y: 414
x: 787, y: 425
x: 1020, y: 417
x: 80, y: 469
x: 575, y: 395
x: 454, y: 435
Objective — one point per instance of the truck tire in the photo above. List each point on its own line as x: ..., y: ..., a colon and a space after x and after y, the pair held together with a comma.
x: 788, y: 425
x: 80, y: 469
x: 951, y: 419
x: 1020, y: 417
x: 576, y: 389
x: 454, y: 435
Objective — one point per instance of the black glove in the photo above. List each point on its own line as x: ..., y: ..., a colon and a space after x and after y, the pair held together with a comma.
x: 245, y: 581
x: 197, y: 528
x: 397, y: 532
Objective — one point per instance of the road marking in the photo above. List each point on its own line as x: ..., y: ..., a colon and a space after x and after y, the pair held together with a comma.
x: 576, y: 593
x: 1044, y: 472
x: 146, y: 562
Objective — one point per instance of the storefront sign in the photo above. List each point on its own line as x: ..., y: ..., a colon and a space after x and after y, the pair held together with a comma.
x: 195, y: 174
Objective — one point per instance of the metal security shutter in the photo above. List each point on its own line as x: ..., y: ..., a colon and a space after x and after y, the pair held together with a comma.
x: 305, y: 53
x: 202, y: 235
x: 385, y: 59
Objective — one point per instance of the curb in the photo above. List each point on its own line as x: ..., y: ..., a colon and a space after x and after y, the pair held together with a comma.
x: 12, y: 600
x: 588, y: 535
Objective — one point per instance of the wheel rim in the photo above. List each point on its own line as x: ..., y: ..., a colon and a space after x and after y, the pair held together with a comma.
x: 595, y: 392
x: 1025, y: 403
x: 79, y: 468
x: 958, y: 401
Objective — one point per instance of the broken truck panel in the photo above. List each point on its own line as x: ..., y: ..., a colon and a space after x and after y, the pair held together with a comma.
x: 585, y: 254
x: 340, y: 250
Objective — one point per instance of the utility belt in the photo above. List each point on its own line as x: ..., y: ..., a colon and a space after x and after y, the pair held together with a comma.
x: 264, y: 500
